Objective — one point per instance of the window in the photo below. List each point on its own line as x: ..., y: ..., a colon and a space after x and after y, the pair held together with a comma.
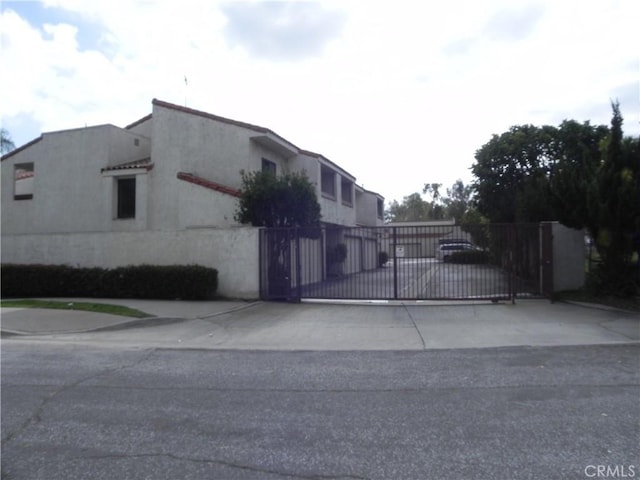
x: 268, y: 166
x: 328, y: 181
x: 380, y: 208
x: 126, y: 207
x: 346, y: 187
x: 23, y: 181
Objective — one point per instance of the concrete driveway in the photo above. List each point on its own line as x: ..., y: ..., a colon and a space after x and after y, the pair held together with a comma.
x: 347, y: 326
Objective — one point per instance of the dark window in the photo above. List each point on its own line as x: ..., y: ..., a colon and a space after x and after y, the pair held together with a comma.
x: 23, y: 181
x: 380, y: 208
x: 268, y: 166
x: 328, y: 181
x: 346, y: 187
x: 126, y: 198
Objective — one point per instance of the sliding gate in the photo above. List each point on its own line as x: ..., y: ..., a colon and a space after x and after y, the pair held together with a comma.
x: 495, y: 261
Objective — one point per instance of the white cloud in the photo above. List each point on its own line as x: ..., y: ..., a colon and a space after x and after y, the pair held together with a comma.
x: 399, y: 94
x: 281, y: 30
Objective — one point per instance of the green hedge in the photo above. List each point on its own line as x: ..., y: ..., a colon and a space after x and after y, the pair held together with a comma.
x: 469, y: 256
x: 186, y: 282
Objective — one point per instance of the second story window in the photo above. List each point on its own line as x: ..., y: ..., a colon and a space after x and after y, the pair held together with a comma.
x: 380, y: 208
x: 346, y: 188
x: 23, y: 181
x: 328, y: 181
x: 126, y: 200
x: 268, y: 166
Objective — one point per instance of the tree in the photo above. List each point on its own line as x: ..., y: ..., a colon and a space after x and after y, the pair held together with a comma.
x: 6, y: 144
x: 614, y: 209
x: 412, y: 209
x: 289, y: 200
x: 267, y: 200
x: 458, y: 200
x: 512, y: 172
x: 582, y: 175
x: 576, y: 165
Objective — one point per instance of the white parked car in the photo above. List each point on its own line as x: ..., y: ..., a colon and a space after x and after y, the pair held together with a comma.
x: 444, y: 251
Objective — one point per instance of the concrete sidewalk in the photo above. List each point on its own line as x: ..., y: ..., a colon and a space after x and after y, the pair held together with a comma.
x: 319, y: 326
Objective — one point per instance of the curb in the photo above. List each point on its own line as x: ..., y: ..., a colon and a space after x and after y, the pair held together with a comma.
x: 126, y: 324
x: 138, y: 322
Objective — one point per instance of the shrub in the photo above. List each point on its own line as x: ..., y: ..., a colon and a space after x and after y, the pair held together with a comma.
x: 187, y: 282
x: 383, y: 258
x: 469, y: 256
x: 337, y: 254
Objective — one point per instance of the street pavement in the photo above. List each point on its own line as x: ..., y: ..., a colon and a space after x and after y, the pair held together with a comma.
x: 74, y: 411
x: 329, y: 326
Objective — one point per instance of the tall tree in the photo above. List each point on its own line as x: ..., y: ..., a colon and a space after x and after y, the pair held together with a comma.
x: 578, y: 157
x: 614, y: 209
x: 458, y: 200
x: 6, y: 144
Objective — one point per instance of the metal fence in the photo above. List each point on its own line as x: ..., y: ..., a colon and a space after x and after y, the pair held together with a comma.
x: 492, y: 261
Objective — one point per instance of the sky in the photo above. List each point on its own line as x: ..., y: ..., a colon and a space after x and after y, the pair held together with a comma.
x: 399, y: 94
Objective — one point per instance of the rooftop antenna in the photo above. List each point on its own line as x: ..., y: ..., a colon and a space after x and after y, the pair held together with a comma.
x: 186, y: 85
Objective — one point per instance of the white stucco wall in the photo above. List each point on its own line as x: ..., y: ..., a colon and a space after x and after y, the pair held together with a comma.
x: 203, y: 207
x: 233, y: 252
x: 367, y: 208
x: 69, y: 192
x: 568, y: 258
x: 211, y: 149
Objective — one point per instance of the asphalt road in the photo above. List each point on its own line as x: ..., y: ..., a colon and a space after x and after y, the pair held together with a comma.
x: 82, y: 411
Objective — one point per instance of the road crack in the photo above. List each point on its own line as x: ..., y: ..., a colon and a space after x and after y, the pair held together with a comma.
x: 36, y: 417
x: 224, y: 463
x: 424, y: 345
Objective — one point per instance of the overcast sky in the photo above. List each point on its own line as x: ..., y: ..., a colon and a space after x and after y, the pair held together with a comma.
x: 398, y: 93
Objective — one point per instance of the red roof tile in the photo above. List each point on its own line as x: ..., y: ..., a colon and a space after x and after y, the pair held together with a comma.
x: 189, y: 177
x: 142, y: 163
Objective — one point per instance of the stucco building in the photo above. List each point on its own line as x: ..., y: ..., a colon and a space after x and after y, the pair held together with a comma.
x: 162, y: 190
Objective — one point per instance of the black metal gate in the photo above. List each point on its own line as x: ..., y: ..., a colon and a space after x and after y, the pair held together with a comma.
x: 487, y: 261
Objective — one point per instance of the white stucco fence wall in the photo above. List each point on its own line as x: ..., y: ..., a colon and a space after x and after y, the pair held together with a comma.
x: 568, y: 258
x: 232, y: 251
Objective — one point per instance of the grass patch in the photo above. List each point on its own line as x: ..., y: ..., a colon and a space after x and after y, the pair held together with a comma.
x: 82, y: 306
x: 625, y: 303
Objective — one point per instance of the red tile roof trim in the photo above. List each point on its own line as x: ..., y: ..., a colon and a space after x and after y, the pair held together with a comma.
x: 145, y: 163
x: 189, y: 177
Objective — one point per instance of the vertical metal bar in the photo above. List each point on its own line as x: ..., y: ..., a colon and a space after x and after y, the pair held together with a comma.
x: 395, y: 265
x: 298, y: 266
x: 512, y: 247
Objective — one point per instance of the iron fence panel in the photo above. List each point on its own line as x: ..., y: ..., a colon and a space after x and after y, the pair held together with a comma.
x: 488, y: 261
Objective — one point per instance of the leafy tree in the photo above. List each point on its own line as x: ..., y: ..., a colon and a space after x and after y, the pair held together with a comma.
x: 412, y: 209
x: 585, y: 176
x: 511, y: 173
x: 6, y: 144
x: 289, y: 200
x: 577, y: 162
x: 268, y: 200
x: 458, y: 200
